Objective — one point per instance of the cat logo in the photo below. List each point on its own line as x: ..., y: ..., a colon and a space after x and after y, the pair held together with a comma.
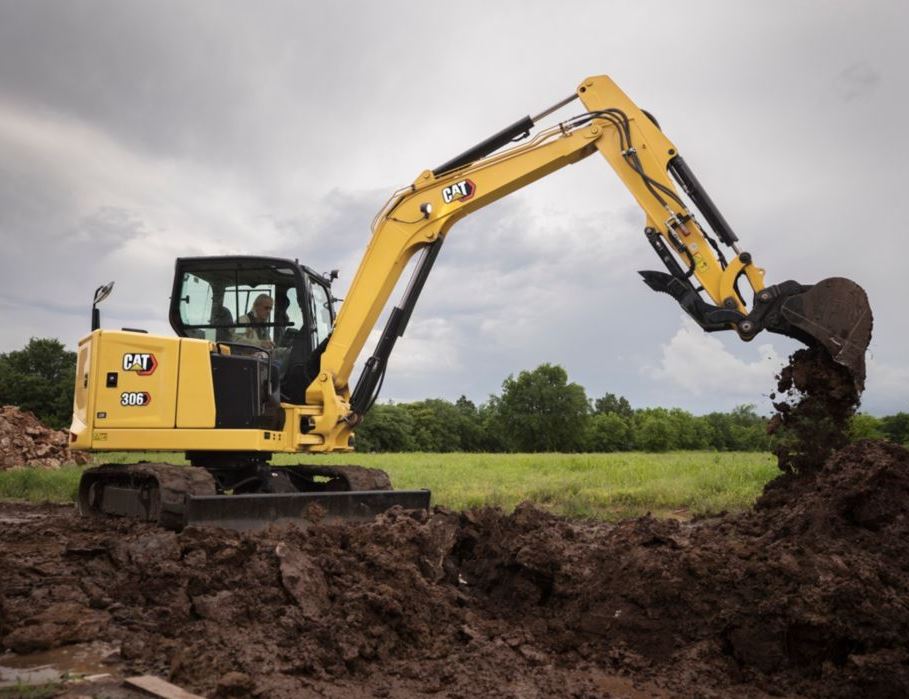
x: 459, y: 191
x: 143, y: 364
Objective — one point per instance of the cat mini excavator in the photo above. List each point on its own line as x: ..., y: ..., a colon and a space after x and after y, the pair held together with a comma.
x: 261, y: 363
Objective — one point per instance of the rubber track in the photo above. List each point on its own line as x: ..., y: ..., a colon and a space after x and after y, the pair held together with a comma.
x: 169, y: 483
x: 357, y: 477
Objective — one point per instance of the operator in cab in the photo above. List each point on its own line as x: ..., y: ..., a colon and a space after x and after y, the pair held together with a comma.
x: 256, y: 331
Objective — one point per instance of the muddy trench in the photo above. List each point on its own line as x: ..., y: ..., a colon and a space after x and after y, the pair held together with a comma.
x: 804, y: 595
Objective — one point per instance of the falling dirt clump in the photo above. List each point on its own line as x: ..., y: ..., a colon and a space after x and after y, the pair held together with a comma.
x: 25, y: 441
x: 802, y: 596
x: 818, y: 396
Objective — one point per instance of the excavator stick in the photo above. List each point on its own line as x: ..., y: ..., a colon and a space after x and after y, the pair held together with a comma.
x: 176, y: 497
x: 834, y: 313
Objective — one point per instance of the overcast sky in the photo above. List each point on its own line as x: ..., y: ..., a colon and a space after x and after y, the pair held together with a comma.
x: 132, y: 133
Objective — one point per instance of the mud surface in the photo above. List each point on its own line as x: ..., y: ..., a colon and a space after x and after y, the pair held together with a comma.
x: 816, y: 398
x: 806, y: 595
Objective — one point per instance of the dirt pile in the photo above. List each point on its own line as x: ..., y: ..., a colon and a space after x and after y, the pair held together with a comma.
x: 25, y: 441
x: 817, y: 398
x: 804, y: 595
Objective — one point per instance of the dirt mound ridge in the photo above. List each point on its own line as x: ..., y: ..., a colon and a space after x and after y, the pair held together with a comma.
x: 25, y: 441
x: 805, y: 595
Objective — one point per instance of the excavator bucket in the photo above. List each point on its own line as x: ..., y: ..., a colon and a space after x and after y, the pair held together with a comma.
x: 835, y: 313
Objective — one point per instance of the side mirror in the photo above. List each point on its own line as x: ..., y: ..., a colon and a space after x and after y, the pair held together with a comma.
x: 101, y: 293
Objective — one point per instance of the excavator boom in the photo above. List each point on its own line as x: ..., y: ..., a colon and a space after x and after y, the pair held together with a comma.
x: 698, y: 274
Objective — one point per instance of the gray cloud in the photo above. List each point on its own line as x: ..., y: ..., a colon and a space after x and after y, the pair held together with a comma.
x: 132, y: 133
x: 857, y: 80
x: 107, y: 227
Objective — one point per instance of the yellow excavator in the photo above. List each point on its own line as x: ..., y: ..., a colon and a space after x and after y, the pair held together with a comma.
x: 261, y: 361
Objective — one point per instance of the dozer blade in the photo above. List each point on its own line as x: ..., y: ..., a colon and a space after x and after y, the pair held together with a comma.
x: 176, y: 497
x: 256, y: 511
x: 834, y: 312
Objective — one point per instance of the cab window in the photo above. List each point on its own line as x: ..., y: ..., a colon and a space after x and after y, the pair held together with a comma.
x: 196, y: 303
x: 240, y: 299
x: 288, y: 317
x: 217, y: 302
x: 321, y: 312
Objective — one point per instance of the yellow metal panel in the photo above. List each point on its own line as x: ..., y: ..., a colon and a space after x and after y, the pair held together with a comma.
x: 145, y: 368
x: 207, y: 439
x: 83, y: 398
x: 83, y: 362
x: 196, y: 390
x: 187, y: 440
x: 654, y: 151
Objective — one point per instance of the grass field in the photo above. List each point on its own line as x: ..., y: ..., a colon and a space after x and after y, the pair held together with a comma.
x: 606, y: 486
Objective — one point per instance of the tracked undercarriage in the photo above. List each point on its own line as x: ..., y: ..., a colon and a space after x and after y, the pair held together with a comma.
x: 257, y: 496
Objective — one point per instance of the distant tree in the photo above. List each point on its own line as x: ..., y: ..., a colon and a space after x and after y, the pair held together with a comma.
x: 742, y: 429
x: 386, y: 427
x: 721, y: 430
x: 896, y: 427
x: 611, y: 403
x: 863, y: 426
x: 492, y: 430
x: 540, y: 411
x: 749, y: 430
x: 470, y: 425
x: 653, y: 431
x: 688, y: 431
x: 40, y: 378
x: 436, y: 425
x: 608, y: 432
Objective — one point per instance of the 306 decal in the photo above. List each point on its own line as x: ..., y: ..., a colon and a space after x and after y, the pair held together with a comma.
x: 135, y: 399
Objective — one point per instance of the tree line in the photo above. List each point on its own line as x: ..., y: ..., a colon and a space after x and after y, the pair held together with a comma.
x: 540, y: 411
x: 536, y: 411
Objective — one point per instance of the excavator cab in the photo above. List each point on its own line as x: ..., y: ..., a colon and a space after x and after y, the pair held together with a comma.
x: 268, y: 316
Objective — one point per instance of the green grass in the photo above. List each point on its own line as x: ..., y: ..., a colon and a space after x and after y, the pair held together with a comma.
x: 606, y: 486
x: 609, y: 486
x: 39, y: 485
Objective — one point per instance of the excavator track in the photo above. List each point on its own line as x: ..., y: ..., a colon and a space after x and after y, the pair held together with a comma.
x: 176, y: 497
x: 344, y: 477
x: 148, y: 492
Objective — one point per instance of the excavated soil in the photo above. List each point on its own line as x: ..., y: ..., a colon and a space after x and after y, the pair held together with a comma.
x: 25, y: 441
x: 805, y: 595
x: 817, y: 397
